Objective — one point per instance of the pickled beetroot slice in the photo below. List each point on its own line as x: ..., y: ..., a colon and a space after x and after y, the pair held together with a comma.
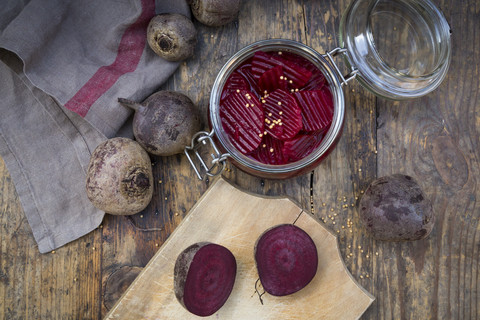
x: 235, y: 82
x: 316, y: 82
x: 270, y: 151
x: 283, y: 117
x: 295, y: 73
x: 286, y: 259
x: 317, y: 109
x: 301, y: 146
x: 242, y: 119
x: 204, y: 275
x: 273, y: 79
x: 246, y: 71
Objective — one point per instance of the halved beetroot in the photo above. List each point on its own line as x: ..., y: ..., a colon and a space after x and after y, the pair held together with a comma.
x: 283, y: 117
x: 264, y: 61
x: 301, y: 146
x: 270, y: 151
x: 273, y: 79
x: 204, y: 276
x: 243, y: 120
x: 317, y: 109
x: 286, y: 259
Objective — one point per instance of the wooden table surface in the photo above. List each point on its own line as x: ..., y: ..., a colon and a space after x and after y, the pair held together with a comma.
x: 434, y: 139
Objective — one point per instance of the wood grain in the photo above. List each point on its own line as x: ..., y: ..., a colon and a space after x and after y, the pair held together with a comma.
x: 332, y: 294
x: 435, y: 139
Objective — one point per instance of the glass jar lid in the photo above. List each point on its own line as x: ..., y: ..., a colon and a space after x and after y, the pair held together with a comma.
x: 401, y: 48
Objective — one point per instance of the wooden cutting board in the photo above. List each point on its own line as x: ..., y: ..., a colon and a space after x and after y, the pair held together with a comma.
x: 235, y: 219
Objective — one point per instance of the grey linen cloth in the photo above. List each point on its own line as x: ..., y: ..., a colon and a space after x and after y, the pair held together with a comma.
x: 62, y: 67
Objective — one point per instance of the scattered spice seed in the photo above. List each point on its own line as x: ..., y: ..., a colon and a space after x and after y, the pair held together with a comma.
x: 376, y: 253
x: 159, y: 181
x: 238, y: 90
x: 279, y: 103
x: 280, y: 52
x: 156, y: 244
x: 53, y: 251
x: 141, y: 216
x: 271, y: 149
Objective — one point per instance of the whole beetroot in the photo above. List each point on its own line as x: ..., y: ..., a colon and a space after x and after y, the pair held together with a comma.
x: 165, y: 122
x: 394, y: 208
x: 204, y: 275
x: 172, y: 36
x: 119, y: 177
x: 215, y: 13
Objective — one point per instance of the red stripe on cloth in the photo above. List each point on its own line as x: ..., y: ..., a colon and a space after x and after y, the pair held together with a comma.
x: 129, y: 53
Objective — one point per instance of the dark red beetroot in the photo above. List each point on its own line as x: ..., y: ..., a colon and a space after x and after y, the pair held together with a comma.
x: 204, y: 276
x: 317, y: 109
x: 286, y: 259
x: 242, y: 119
x: 283, y: 116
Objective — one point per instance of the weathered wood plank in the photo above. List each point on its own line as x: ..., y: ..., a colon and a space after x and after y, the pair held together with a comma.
x: 435, y: 139
x: 63, y: 284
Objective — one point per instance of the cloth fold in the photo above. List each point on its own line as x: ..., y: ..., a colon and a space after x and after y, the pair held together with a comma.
x: 63, y: 66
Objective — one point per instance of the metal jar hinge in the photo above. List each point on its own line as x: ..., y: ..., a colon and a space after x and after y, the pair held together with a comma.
x: 353, y: 71
x: 218, y: 161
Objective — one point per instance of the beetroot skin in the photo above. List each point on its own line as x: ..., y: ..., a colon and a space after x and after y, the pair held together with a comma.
x: 204, y: 276
x: 286, y: 259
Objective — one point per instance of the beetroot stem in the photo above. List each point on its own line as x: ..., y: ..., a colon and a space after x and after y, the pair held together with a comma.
x: 129, y: 104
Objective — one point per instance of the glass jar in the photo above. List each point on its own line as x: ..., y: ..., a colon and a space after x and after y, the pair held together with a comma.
x: 400, y: 48
x: 409, y: 68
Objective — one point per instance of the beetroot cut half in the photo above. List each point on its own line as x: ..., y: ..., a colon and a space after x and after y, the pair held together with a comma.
x: 204, y: 276
x: 286, y: 259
